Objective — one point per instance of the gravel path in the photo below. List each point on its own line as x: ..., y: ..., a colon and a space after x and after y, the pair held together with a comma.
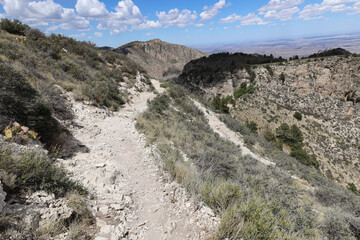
x: 131, y: 197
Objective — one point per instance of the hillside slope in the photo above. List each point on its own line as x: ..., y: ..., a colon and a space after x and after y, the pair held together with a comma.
x: 160, y: 59
x: 325, y: 91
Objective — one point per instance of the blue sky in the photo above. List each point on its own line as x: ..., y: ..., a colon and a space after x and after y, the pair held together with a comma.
x: 188, y: 22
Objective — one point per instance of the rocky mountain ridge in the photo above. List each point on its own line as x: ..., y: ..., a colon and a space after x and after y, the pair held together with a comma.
x: 326, y: 91
x: 160, y: 59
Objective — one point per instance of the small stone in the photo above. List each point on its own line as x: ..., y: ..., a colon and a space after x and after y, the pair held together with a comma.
x: 104, y: 210
x: 100, y: 165
x: 117, y: 207
x: 209, y: 211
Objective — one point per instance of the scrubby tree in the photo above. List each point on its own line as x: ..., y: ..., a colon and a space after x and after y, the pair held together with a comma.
x: 14, y: 27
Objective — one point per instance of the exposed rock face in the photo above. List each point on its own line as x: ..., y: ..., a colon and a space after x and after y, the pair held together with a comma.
x: 160, y: 59
x: 325, y: 91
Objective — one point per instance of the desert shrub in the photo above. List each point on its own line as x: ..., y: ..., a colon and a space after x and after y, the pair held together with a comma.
x: 252, y: 126
x: 21, y: 102
x: 243, y: 90
x: 290, y: 135
x: 36, y: 172
x: 219, y: 104
x: 14, y: 27
x: 159, y: 104
x: 270, y: 136
x: 35, y: 34
x: 164, y: 85
x: 336, y: 227
x: 304, y: 157
x: 352, y: 187
x: 104, y: 93
x: 219, y: 195
x: 235, y: 125
x: 282, y: 78
x: 252, y: 74
x: 270, y: 70
x: 255, y: 218
x: 298, y: 116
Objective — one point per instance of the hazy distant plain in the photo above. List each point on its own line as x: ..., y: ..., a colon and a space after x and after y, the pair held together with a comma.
x: 289, y: 48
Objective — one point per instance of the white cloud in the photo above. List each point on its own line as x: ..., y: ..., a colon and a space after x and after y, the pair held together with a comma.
x: 277, y: 5
x: 41, y: 13
x: 283, y: 15
x: 150, y: 33
x: 176, y: 18
x: 99, y: 34
x: 127, y: 13
x: 226, y: 28
x: 230, y: 19
x: 91, y: 8
x: 280, y: 9
x: 210, y: 12
x: 312, y: 10
x: 147, y: 25
x: 252, y: 19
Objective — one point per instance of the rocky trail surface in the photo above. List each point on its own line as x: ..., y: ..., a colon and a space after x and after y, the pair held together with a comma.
x: 130, y: 196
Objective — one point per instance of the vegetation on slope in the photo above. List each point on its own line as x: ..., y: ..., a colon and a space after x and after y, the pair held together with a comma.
x: 36, y: 71
x: 253, y: 200
x: 32, y: 66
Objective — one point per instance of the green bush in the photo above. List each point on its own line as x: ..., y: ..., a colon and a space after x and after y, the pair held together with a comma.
x: 35, y: 171
x: 270, y: 70
x: 220, y: 104
x: 282, y: 78
x: 298, y: 116
x: 159, y: 104
x: 243, y: 90
x: 255, y: 218
x: 252, y: 74
x: 270, y: 136
x: 305, y: 158
x: 21, y: 102
x: 291, y: 136
x: 252, y: 126
x: 14, y: 27
x: 164, y: 85
x: 352, y: 187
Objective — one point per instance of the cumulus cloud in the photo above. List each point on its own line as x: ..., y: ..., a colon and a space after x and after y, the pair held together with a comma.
x: 280, y: 9
x: 126, y: 13
x: 252, y: 19
x: 210, y: 12
x: 277, y: 5
x: 91, y: 8
x: 176, y: 18
x: 148, y: 25
x: 283, y: 15
x: 41, y: 13
x: 312, y: 11
x: 230, y: 19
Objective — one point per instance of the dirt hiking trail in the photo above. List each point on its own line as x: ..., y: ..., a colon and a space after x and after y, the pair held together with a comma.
x: 130, y: 197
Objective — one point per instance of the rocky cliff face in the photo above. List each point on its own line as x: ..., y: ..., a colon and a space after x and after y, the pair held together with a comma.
x: 160, y: 59
x: 326, y: 91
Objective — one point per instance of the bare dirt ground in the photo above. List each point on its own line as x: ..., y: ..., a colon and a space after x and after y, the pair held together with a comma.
x: 131, y: 197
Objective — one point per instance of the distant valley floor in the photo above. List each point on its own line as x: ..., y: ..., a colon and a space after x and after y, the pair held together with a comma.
x: 290, y: 47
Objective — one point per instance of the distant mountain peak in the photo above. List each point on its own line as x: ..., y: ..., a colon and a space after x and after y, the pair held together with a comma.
x: 160, y: 59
